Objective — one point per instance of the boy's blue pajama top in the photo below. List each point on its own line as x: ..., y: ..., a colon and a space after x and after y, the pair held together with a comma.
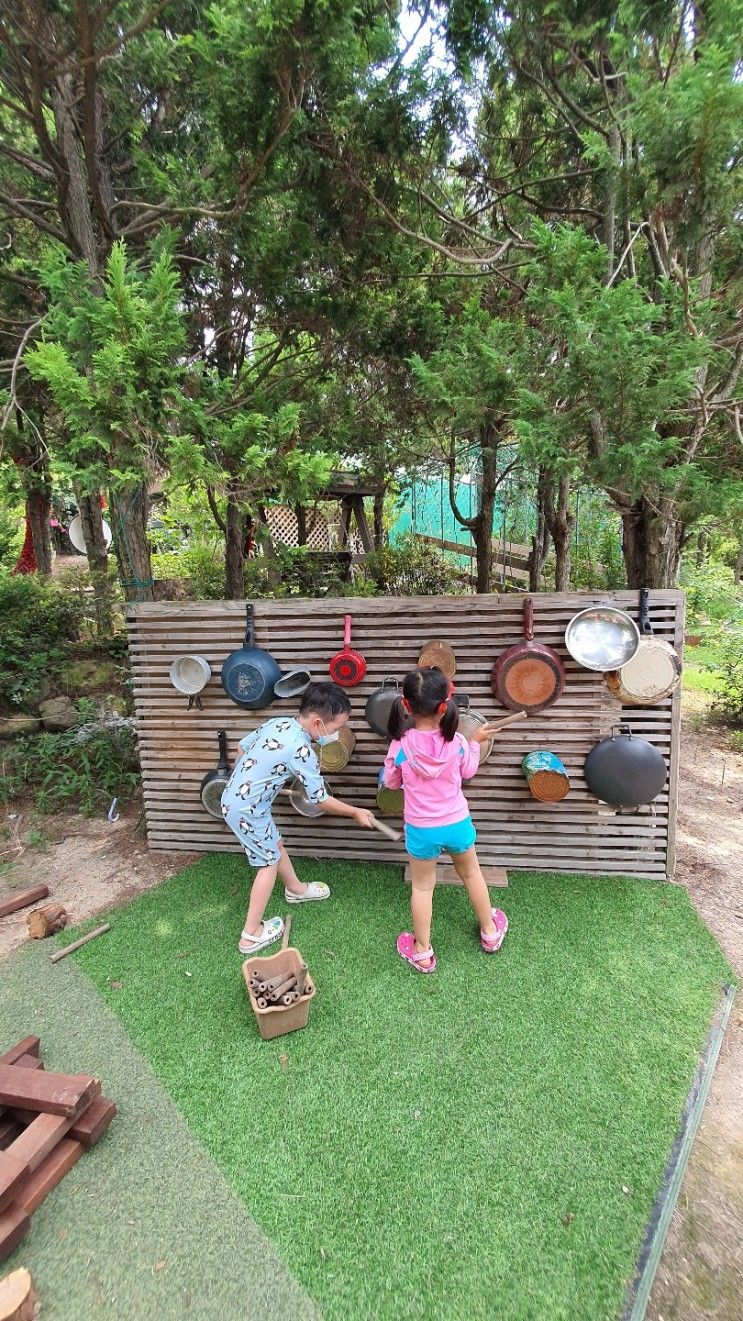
x: 277, y: 752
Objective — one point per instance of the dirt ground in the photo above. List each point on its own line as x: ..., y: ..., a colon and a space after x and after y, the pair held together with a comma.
x: 91, y: 866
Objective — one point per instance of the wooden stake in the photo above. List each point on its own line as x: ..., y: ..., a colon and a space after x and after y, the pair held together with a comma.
x: 287, y: 929
x: 62, y: 953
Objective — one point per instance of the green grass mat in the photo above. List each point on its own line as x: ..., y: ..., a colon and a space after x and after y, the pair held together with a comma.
x: 486, y: 1142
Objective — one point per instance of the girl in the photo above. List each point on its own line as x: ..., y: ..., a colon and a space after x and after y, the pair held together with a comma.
x: 429, y: 762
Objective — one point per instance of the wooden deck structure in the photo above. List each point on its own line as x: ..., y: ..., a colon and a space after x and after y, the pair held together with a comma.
x: 177, y: 745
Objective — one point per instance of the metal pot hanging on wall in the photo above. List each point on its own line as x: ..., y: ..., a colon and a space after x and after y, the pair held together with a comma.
x: 528, y: 676
x: 379, y: 704
x: 252, y: 678
x: 624, y: 770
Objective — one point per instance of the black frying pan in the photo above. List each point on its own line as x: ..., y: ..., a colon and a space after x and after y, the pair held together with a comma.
x: 214, y: 783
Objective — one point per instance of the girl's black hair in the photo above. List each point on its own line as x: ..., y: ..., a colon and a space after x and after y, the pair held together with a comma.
x: 424, y: 690
x: 326, y: 700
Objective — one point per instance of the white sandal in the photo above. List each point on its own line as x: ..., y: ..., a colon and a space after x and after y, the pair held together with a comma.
x: 271, y: 930
x: 315, y: 890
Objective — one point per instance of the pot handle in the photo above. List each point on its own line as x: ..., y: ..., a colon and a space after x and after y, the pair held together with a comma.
x: 529, y: 619
x: 646, y: 627
x: 623, y: 729
x: 347, y: 633
x: 250, y: 628
x: 222, y: 741
x: 391, y: 679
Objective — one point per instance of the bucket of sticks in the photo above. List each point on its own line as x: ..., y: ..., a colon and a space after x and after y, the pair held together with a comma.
x: 546, y: 776
x: 280, y: 991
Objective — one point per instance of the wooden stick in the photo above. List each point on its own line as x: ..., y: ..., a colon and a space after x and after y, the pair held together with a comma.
x: 62, y: 953
x: 23, y: 900
x: 386, y: 830
x: 509, y: 720
x: 287, y: 929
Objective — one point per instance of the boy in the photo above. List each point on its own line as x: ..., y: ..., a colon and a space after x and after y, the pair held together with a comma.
x: 281, y: 750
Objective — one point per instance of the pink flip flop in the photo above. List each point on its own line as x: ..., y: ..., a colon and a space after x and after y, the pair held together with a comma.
x: 406, y: 950
x: 493, y: 943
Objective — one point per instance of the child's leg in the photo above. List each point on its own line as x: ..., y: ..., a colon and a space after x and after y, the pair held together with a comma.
x: 469, y: 871
x: 288, y: 874
x: 260, y: 894
x: 423, y: 878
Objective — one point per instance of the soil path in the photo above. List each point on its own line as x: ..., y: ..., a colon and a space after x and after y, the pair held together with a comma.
x: 91, y: 866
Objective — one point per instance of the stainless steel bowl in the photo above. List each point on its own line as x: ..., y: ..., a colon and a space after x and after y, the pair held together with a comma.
x: 602, y: 638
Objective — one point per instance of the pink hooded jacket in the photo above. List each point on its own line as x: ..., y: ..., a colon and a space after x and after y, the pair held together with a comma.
x: 431, y: 771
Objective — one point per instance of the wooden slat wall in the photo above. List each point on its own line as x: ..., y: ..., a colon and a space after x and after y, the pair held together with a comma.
x: 178, y: 746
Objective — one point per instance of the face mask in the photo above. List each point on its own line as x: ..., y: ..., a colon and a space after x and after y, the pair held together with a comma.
x: 324, y: 739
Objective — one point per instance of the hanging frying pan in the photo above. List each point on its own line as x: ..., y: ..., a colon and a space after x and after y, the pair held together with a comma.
x: 439, y: 654
x: 301, y: 803
x: 528, y: 676
x: 252, y: 678
x: 347, y: 667
x: 379, y: 704
x: 602, y: 638
x: 190, y: 675
x: 625, y: 770
x: 214, y: 783
x: 653, y: 672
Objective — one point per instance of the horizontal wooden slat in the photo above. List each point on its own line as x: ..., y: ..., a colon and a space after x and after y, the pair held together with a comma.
x: 178, y: 746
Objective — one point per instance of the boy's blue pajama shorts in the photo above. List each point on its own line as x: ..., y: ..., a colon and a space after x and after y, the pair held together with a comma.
x: 426, y: 842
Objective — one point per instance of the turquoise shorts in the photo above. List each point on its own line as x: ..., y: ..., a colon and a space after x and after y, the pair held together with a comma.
x: 427, y: 842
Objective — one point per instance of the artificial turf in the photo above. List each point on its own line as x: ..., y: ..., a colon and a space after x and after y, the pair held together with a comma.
x: 486, y: 1142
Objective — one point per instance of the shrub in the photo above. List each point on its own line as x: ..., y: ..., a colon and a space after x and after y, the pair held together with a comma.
x: 412, y: 568
x: 711, y: 593
x: 38, y: 621
x: 84, y: 767
x: 730, y: 682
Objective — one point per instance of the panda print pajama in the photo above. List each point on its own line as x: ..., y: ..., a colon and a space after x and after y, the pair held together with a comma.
x: 277, y: 752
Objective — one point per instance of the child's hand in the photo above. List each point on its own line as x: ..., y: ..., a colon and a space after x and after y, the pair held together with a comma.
x: 484, y: 733
x: 364, y: 818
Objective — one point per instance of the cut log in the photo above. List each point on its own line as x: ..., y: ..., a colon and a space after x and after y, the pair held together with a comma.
x: 93, y: 1122
x: 14, y: 1225
x: 51, y: 1172
x: 18, y: 1298
x: 23, y: 900
x: 54, y: 1093
x: 29, y: 1046
x: 46, y: 921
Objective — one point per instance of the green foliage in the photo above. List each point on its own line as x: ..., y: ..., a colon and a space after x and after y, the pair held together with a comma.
x: 412, y: 568
x: 38, y: 621
x: 730, y: 688
x: 84, y: 768
x: 711, y: 593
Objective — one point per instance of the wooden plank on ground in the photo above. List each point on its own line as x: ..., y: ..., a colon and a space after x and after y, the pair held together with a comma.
x: 51, y: 1172
x: 53, y: 1093
x: 23, y: 900
x: 28, y: 1046
x: 14, y: 1225
x: 93, y: 1122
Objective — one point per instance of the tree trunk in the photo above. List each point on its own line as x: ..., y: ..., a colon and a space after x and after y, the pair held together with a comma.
x: 234, y: 557
x: 95, y: 549
x: 301, y: 516
x: 38, y: 513
x: 130, y: 506
x: 738, y: 566
x: 482, y: 530
x: 561, y: 522
x: 541, y: 540
x: 652, y: 539
x: 701, y: 552
x: 379, y: 520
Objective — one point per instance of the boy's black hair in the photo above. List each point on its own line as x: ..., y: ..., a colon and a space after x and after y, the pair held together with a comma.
x: 326, y: 700
x: 425, y: 690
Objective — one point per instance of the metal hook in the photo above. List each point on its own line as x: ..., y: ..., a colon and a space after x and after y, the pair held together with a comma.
x: 113, y: 815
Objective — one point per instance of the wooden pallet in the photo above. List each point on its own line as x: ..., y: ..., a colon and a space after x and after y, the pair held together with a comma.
x: 47, y: 1121
x: 178, y: 746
